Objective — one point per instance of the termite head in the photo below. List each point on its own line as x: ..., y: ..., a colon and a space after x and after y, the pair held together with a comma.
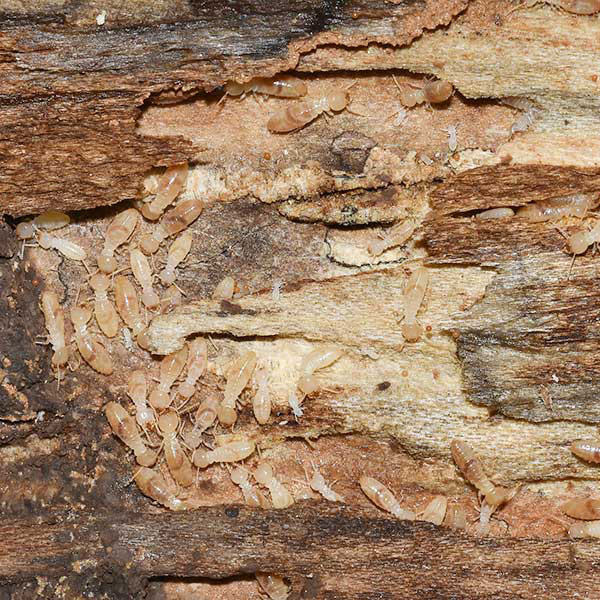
x: 338, y: 100
x: 239, y: 475
x: 168, y: 422
x: 500, y: 496
x: 167, y: 276
x: 150, y: 298
x: 60, y: 357
x: 263, y: 473
x: 99, y: 282
x: 146, y: 458
x: 582, y: 7
x: 148, y: 243
x: 107, y: 263
x: 437, y: 91
x: 80, y: 316
x: 233, y: 88
x: 200, y: 459
x: 148, y: 213
x: 45, y: 240
x: 227, y: 415
x: 578, y: 242
x: 412, y: 331
x: 308, y: 384
x: 142, y: 337
x: 159, y: 399
x: 25, y: 230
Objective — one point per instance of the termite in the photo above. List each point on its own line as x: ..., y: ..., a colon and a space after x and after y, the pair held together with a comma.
x: 92, y: 352
x: 433, y: 92
x: 177, y: 252
x: 588, y: 451
x: 124, y: 427
x: 576, y: 7
x: 455, y: 517
x: 117, y: 233
x: 206, y: 415
x: 394, y: 236
x: 314, y: 361
x: 49, y: 220
x: 229, y: 452
x: 127, y: 304
x: 294, y: 403
x: 435, y: 511
x: 104, y: 310
x: 273, y: 586
x: 383, y: 498
x: 280, y: 495
x: 579, y: 242
x: 169, y: 186
x: 252, y: 495
x: 414, y: 293
x: 196, y: 365
x: 178, y: 463
x: 238, y: 376
x: 55, y: 324
x: 283, y: 86
x: 318, y: 484
x: 175, y: 221
x: 170, y: 369
x: 473, y: 472
x: 261, y: 405
x: 585, y: 530
x: 153, y: 485
x: 68, y: 249
x: 553, y: 209
x: 587, y: 509
x: 143, y: 275
x: 137, y: 390
x: 225, y: 289
x: 301, y: 113
x: 495, y: 213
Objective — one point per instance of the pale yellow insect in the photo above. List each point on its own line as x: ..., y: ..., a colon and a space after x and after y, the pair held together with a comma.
x: 587, y: 509
x: 585, y: 530
x: 576, y: 7
x: 143, y: 274
x: 225, y: 289
x: 124, y: 427
x: 177, y: 252
x: 383, y: 498
x: 314, y: 361
x: 196, y: 365
x: 414, y: 292
x: 283, y: 86
x: 104, y: 310
x: 127, y: 304
x: 589, y: 451
x: 299, y: 114
x: 252, y: 495
x: 456, y: 517
x: 175, y: 221
x: 234, y: 451
x: 261, y: 404
x: 55, y: 324
x: 170, y: 369
x: 553, y: 209
x: 137, y: 390
x: 238, y: 376
x: 117, y: 233
x: 49, y: 220
x: 153, y: 485
x: 274, y: 586
x: 579, y: 242
x: 318, y: 484
x: 177, y: 461
x: 206, y: 415
x: 170, y: 184
x: 433, y: 92
x: 280, y: 495
x: 495, y: 213
x: 92, y: 352
x: 435, y: 511
x: 68, y: 249
x: 394, y: 236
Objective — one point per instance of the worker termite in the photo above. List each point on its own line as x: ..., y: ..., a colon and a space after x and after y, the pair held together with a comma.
x: 495, y: 213
x: 283, y: 86
x: 68, y: 249
x: 579, y: 242
x: 252, y: 495
x: 143, y: 275
x: 178, y: 463
x: 127, y: 304
x: 394, y: 236
x: 587, y: 509
x: 170, y: 369
x: 261, y: 405
x: 273, y: 586
x: 124, y: 427
x: 576, y: 7
x: 280, y: 495
x: 473, y: 472
x: 49, y: 220
x: 153, y: 485
x: 137, y: 390
x: 92, y: 352
x: 588, y: 451
x: 435, y: 511
x: 301, y: 113
x: 104, y: 310
x: 55, y: 324
x: 318, y: 484
x: 553, y: 209
x: 169, y: 186
x: 177, y: 252
x: 238, y: 376
x: 383, y: 498
x: 206, y: 415
x: 414, y: 292
x: 432, y: 92
x: 225, y: 289
x: 196, y: 364
x: 314, y: 361
x: 117, y: 233
x: 234, y: 451
x: 175, y: 221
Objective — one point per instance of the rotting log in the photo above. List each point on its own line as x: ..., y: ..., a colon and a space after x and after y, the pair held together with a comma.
x: 87, y: 110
